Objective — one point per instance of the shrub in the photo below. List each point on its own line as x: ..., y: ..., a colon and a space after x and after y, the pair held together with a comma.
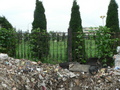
x: 39, y: 44
x: 104, y: 44
x: 80, y: 47
x: 8, y: 41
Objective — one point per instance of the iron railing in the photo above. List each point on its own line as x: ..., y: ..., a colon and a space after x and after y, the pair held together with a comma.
x: 60, y: 47
x: 57, y: 47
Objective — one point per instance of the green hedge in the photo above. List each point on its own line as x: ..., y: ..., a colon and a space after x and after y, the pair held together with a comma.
x: 8, y: 41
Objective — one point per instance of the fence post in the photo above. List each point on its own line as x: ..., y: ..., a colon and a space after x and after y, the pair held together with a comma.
x: 69, y: 49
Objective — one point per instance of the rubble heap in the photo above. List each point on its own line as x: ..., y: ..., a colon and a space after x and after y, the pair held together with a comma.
x: 21, y: 74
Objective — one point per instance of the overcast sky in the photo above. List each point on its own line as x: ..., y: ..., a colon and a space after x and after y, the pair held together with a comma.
x: 20, y: 13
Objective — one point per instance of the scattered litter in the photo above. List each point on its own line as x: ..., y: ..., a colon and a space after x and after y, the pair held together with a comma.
x: 21, y: 74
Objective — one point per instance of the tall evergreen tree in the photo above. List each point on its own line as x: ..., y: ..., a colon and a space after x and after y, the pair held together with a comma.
x: 75, y: 21
x: 39, y: 16
x: 112, y: 20
x: 39, y: 36
x: 76, y: 33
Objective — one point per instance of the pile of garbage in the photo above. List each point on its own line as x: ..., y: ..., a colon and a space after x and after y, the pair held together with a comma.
x: 21, y: 74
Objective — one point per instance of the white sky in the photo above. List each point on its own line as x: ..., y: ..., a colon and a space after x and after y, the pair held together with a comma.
x: 20, y: 13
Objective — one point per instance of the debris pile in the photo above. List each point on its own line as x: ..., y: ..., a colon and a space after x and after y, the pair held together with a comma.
x: 21, y: 74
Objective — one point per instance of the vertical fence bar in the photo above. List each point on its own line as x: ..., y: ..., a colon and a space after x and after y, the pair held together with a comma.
x: 30, y: 47
x: 18, y: 45
x: 15, y: 36
x: 60, y: 46
x: 21, y: 46
x: 53, y: 40
x: 94, y: 39
x: 57, y: 46
x: 61, y: 35
x: 69, y: 45
x: 24, y: 46
x: 38, y: 44
x: 84, y: 52
x: 88, y: 45
x: 49, y: 38
x: 90, y: 42
x: 29, y: 53
x: 64, y: 50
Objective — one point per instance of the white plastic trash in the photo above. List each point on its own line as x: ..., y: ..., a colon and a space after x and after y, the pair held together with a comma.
x: 3, y: 56
x: 118, y: 49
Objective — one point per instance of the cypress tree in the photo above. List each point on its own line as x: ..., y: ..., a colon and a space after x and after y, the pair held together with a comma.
x: 39, y: 16
x: 75, y: 21
x: 39, y: 36
x: 112, y: 20
x: 76, y: 34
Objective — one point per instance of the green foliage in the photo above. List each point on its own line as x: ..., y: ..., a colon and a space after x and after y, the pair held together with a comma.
x: 39, y: 35
x: 80, y: 47
x: 39, y: 16
x: 75, y: 30
x: 104, y: 43
x: 57, y: 52
x: 63, y: 37
x: 5, y: 23
x: 7, y: 37
x: 112, y: 20
x: 58, y: 37
x: 39, y: 44
x: 19, y: 36
x: 26, y: 35
x: 75, y: 21
x: 53, y: 35
x: 7, y: 41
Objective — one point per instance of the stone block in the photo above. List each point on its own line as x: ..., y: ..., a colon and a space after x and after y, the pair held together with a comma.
x: 79, y: 68
x: 117, y: 60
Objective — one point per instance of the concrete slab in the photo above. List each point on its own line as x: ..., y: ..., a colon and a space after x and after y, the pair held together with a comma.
x: 79, y: 67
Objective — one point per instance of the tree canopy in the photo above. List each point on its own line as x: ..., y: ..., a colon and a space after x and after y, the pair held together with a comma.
x: 5, y: 23
x: 112, y: 20
x: 39, y: 36
x: 75, y: 21
x: 75, y: 34
x: 39, y: 16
